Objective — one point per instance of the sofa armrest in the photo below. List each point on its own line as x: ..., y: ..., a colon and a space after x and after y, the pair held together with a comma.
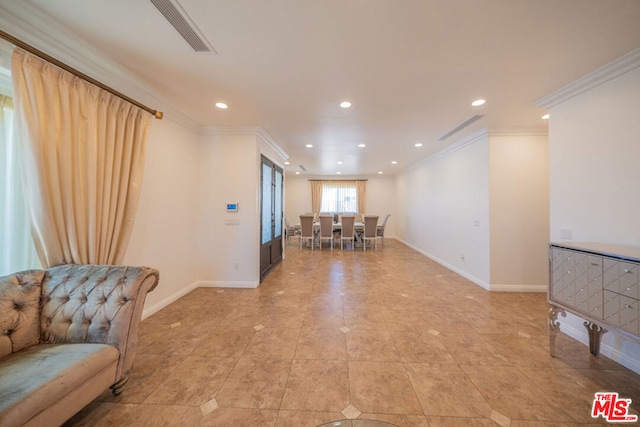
x: 96, y: 304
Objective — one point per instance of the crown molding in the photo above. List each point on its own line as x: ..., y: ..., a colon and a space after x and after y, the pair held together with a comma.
x: 613, y: 69
x: 518, y: 132
x: 67, y: 47
x: 257, y: 131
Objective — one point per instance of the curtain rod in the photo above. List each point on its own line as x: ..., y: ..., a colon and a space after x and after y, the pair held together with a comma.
x: 338, y: 180
x: 33, y: 50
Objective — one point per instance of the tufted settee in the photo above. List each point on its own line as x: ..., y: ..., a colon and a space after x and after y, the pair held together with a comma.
x: 67, y: 334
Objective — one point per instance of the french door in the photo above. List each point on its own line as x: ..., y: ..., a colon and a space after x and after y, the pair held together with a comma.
x: 271, y: 216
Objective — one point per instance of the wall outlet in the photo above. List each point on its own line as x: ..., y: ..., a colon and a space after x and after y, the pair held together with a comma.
x: 462, y: 257
x: 566, y: 234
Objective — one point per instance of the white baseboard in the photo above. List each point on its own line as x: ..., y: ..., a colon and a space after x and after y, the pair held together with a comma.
x: 518, y: 288
x: 613, y: 353
x: 148, y: 311
x: 227, y: 284
x: 477, y: 281
x: 453, y: 268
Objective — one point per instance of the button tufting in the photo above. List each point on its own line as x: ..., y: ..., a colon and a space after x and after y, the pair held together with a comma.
x: 7, y: 332
x: 18, y: 306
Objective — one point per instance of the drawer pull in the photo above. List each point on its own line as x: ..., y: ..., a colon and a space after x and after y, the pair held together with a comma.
x: 626, y: 270
x: 595, y: 264
x: 627, y: 306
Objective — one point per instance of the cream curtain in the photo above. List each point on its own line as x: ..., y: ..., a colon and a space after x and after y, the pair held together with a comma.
x: 316, y: 196
x: 82, y: 156
x: 16, y: 246
x: 361, y: 194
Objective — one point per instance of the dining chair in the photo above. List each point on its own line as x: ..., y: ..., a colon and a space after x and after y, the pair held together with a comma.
x: 359, y: 217
x: 347, y: 231
x: 370, y: 231
x: 306, y: 230
x: 326, y: 229
x: 381, y: 228
x: 290, y: 230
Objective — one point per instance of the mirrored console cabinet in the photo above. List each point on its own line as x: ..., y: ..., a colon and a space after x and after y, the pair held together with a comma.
x: 597, y: 282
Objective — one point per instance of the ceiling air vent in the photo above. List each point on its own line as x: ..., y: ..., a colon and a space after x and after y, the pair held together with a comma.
x: 178, y: 18
x: 302, y: 168
x: 460, y: 127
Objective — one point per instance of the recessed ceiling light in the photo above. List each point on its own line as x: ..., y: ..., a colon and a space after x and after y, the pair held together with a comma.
x: 338, y: 173
x: 380, y: 173
x: 394, y: 162
x: 546, y: 116
x: 478, y: 102
x: 222, y: 105
x: 361, y: 145
x: 339, y: 163
x: 417, y: 144
x: 345, y: 104
x: 287, y: 163
x: 297, y: 173
x: 309, y: 145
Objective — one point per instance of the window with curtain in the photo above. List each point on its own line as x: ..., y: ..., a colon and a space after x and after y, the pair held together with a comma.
x: 339, y: 197
x: 17, y: 251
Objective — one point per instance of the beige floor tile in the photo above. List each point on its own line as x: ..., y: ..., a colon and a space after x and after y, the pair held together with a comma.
x: 445, y: 390
x: 398, y: 420
x: 382, y: 387
x: 329, y: 317
x: 317, y: 385
x: 461, y: 422
x: 321, y: 344
x: 194, y: 381
x: 149, y: 371
x: 523, y: 401
x: 367, y: 319
x: 371, y: 345
x: 255, y: 383
x: 128, y: 414
x: 459, y: 354
x: 287, y: 418
x: 471, y: 349
x: 421, y: 348
x: 522, y: 350
x: 225, y: 342
x: 273, y: 343
x: 232, y: 417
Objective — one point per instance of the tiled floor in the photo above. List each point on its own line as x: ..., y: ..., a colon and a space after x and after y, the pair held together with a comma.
x: 386, y: 335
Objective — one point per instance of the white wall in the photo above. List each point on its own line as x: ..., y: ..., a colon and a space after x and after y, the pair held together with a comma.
x: 594, y: 152
x: 165, y: 231
x: 519, y: 211
x: 229, y: 241
x: 439, y: 202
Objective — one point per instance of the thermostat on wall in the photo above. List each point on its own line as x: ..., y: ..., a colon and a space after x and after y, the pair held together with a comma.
x: 232, y: 207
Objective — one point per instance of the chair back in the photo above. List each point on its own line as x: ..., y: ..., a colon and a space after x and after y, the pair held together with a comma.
x: 347, y: 224
x: 384, y: 221
x: 359, y: 217
x: 306, y: 225
x: 370, y: 225
x: 326, y: 225
x: 286, y: 222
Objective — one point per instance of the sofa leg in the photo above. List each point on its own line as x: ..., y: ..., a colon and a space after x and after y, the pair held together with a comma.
x: 116, y: 389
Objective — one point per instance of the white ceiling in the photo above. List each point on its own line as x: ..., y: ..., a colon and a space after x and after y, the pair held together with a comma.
x: 410, y: 67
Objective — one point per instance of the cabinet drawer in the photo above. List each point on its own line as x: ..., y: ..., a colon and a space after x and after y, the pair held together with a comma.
x: 622, y: 277
x: 577, y: 281
x: 622, y: 311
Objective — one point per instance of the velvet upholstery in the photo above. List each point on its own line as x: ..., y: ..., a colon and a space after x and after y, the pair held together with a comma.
x: 67, y: 334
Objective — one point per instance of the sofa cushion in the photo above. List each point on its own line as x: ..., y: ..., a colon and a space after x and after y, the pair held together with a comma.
x: 37, y: 377
x: 19, y: 310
